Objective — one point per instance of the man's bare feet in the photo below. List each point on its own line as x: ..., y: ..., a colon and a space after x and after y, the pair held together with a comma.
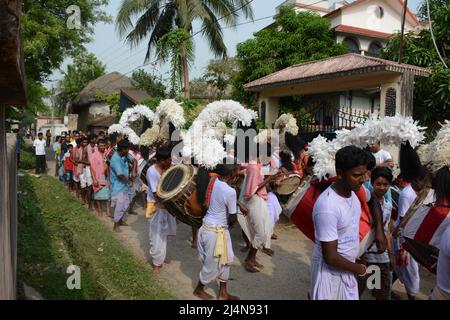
x: 274, y: 237
x: 156, y: 269
x: 167, y: 261
x: 268, y: 251
x: 258, y: 265
x: 251, y: 267
x: 194, y: 244
x: 116, y: 227
x: 123, y: 224
x: 202, y: 294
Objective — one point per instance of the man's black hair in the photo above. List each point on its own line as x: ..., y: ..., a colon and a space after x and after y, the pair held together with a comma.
x: 163, y: 153
x: 382, y: 172
x: 286, y: 161
x: 84, y: 139
x: 92, y: 137
x: 410, y: 164
x: 78, y: 141
x: 113, y: 138
x: 224, y: 169
x: 123, y: 144
x: 40, y: 134
x: 101, y: 141
x: 69, y: 145
x: 351, y: 157
x: 441, y: 186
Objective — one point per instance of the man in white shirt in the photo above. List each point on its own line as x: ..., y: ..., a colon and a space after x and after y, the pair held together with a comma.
x: 383, y: 158
x: 214, y: 241
x: 39, y: 149
x: 442, y: 289
x: 336, y: 216
x: 162, y: 224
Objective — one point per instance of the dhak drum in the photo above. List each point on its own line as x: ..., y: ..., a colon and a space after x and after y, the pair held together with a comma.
x: 143, y: 168
x: 423, y: 233
x: 177, y: 190
x: 299, y: 210
x: 288, y: 185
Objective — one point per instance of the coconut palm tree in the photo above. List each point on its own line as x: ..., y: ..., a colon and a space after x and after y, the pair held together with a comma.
x: 157, y: 18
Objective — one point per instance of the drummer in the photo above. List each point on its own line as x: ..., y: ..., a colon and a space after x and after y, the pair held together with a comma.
x: 336, y: 214
x: 162, y: 224
x: 214, y: 240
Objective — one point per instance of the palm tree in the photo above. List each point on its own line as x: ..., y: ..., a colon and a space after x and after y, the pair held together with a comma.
x: 158, y: 18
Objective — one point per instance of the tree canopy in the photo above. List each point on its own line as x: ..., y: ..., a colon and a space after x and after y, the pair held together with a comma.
x: 146, y: 81
x: 84, y: 69
x: 294, y: 38
x: 432, y: 95
x: 47, y: 41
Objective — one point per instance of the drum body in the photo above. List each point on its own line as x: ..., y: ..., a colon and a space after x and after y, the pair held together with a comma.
x: 143, y: 168
x: 300, y: 211
x: 423, y: 234
x: 177, y: 190
x: 289, y: 185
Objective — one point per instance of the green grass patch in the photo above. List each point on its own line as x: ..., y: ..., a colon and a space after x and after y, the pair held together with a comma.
x: 55, y: 231
x: 27, y: 157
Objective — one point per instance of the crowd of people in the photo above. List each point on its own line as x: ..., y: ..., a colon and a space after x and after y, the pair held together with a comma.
x: 105, y: 170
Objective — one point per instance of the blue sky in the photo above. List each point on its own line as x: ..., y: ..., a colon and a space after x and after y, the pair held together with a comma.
x: 118, y: 56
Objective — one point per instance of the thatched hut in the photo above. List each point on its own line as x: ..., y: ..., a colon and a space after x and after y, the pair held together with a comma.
x: 95, y: 115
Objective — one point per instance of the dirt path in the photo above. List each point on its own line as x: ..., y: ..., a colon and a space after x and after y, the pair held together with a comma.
x: 284, y: 277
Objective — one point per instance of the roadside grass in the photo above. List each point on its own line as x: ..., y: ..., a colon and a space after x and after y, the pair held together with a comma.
x: 55, y: 231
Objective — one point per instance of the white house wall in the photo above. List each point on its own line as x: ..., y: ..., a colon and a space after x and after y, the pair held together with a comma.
x: 360, y: 16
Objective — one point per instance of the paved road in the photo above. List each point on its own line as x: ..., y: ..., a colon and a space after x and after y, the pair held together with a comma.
x: 285, y: 276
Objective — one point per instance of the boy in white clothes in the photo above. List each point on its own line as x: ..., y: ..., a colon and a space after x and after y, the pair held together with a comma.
x: 214, y: 241
x: 382, y: 157
x: 336, y: 216
x: 381, y: 180
x: 162, y: 224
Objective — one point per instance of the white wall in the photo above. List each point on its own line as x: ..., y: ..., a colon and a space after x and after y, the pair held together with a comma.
x: 361, y: 16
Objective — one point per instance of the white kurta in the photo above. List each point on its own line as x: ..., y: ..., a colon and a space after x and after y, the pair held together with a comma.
x: 274, y: 208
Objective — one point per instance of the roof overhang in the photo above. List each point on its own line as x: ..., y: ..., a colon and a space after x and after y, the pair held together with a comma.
x: 370, y: 71
x: 362, y: 32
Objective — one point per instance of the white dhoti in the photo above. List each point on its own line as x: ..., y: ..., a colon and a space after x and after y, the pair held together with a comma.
x: 408, y: 273
x: 330, y: 284
x: 161, y: 225
x: 274, y: 208
x: 212, y: 268
x: 259, y: 222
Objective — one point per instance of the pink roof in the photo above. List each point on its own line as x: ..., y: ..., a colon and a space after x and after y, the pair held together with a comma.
x: 362, y: 31
x: 333, y: 67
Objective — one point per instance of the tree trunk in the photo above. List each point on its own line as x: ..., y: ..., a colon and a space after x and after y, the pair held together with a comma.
x: 185, y: 70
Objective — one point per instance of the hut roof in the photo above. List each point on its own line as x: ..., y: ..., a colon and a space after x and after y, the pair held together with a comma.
x: 107, y: 84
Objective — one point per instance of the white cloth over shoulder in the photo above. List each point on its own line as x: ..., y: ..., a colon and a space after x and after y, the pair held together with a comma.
x: 274, y: 207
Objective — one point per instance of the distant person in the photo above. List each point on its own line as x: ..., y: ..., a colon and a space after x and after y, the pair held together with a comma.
x: 119, y: 177
x: 57, y: 148
x: 68, y: 168
x: 16, y: 131
x: 48, y: 137
x: 383, y: 158
x: 39, y: 149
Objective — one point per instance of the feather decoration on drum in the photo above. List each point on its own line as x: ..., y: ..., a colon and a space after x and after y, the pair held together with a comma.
x: 286, y: 124
x: 204, y: 140
x: 388, y: 130
x: 439, y: 156
x: 126, y: 131
x: 168, y: 113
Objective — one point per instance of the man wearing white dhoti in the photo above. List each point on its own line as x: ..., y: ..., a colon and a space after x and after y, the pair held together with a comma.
x: 336, y: 216
x: 406, y: 268
x: 214, y: 241
x: 162, y: 224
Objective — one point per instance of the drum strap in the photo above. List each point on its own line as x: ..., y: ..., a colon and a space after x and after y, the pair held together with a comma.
x: 209, y: 192
x: 412, y: 210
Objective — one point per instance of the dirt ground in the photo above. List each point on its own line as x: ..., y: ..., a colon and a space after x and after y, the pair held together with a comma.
x: 285, y: 275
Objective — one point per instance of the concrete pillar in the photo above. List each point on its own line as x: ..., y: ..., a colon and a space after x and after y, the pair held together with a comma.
x: 271, y: 109
x: 390, y: 98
